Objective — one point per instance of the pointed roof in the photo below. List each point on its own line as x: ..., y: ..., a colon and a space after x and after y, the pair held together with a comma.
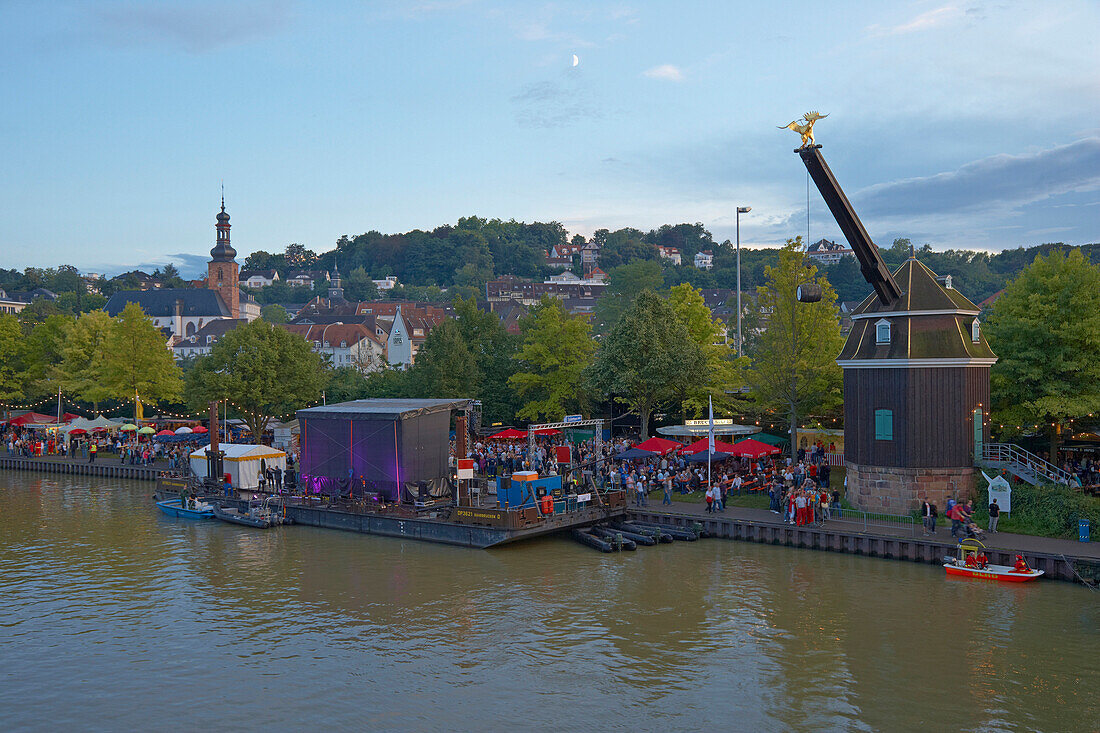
x: 929, y: 325
x: 921, y: 291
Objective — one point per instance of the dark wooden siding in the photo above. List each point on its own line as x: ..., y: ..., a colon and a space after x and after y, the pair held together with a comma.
x: 933, y: 415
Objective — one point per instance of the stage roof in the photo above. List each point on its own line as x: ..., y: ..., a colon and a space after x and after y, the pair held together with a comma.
x: 383, y: 409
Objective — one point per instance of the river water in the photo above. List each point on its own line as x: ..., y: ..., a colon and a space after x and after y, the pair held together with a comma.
x: 115, y: 617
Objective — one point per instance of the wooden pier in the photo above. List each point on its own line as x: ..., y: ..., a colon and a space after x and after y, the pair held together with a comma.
x: 1040, y: 552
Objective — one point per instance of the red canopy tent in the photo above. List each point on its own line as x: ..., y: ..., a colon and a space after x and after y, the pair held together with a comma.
x: 508, y: 434
x: 36, y: 418
x: 750, y: 448
x: 661, y: 445
x: 701, y: 445
x: 547, y: 431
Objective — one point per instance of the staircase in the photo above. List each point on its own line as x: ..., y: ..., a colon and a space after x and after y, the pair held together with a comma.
x: 1022, y: 464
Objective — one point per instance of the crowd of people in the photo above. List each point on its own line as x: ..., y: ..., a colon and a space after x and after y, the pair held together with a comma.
x: 133, y: 450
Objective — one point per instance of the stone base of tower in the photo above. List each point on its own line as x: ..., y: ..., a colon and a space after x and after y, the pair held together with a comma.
x: 900, y: 490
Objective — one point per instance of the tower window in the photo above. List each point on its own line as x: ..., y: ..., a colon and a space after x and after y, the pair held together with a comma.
x: 884, y: 425
x: 976, y: 331
x: 882, y: 332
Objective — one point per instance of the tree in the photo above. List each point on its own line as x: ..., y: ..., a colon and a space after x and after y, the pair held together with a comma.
x: 83, y: 355
x: 623, y: 285
x: 623, y: 247
x: 1045, y: 330
x: 263, y: 370
x: 556, y: 350
x: 492, y: 347
x: 646, y: 358
x: 137, y: 361
x: 444, y: 365
x: 359, y: 285
x: 298, y: 256
x: 11, y: 353
x: 274, y: 314
x: 42, y: 354
x: 793, y: 365
x: 720, y: 376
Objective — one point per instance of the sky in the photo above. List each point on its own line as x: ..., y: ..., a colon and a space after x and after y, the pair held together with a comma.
x: 960, y: 125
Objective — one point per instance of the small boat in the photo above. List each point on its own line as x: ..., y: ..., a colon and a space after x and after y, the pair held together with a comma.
x: 970, y: 563
x: 259, y: 515
x: 192, y: 509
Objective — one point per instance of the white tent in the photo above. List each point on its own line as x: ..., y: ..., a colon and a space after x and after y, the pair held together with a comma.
x: 90, y: 425
x: 244, y: 462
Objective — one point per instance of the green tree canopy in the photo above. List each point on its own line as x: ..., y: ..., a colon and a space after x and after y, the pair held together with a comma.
x: 623, y: 285
x: 556, y: 350
x: 445, y: 366
x: 42, y: 354
x: 647, y: 358
x: 11, y: 357
x: 137, y: 360
x: 263, y: 370
x: 84, y: 356
x: 794, y: 367
x: 274, y: 314
x: 720, y: 377
x: 1045, y: 330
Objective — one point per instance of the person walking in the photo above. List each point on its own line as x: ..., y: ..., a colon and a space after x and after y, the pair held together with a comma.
x: 926, y: 516
x: 994, y: 515
x: 710, y: 499
x: 91, y: 452
x: 666, y: 482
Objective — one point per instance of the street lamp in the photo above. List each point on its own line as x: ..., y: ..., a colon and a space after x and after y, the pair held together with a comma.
x: 740, y: 210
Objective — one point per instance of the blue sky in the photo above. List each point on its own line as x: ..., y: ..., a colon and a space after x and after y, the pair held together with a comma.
x: 957, y: 124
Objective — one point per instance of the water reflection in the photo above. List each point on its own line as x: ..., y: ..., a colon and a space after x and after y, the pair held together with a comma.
x: 103, y: 599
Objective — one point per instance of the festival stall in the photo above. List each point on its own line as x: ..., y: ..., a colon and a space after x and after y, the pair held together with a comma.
x: 244, y: 462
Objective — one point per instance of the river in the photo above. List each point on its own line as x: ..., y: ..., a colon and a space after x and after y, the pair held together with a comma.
x: 114, y: 617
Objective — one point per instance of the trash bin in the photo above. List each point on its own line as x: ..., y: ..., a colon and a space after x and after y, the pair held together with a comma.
x: 1082, y: 530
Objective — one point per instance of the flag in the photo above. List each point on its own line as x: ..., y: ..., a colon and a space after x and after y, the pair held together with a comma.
x: 710, y: 426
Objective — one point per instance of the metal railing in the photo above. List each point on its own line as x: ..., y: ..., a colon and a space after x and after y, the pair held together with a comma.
x: 871, y: 520
x: 1025, y: 465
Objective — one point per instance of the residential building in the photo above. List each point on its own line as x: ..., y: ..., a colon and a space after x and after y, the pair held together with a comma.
x: 387, y: 283
x: 704, y: 260
x: 590, y: 255
x: 258, y: 278
x: 672, y: 254
x: 202, y: 341
x: 529, y: 293
x: 827, y: 252
x: 345, y: 344
x: 306, y: 278
x: 11, y: 304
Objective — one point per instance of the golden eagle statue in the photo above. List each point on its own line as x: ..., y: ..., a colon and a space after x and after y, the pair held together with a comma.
x: 805, y: 127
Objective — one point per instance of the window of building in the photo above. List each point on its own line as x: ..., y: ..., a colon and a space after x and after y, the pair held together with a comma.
x: 976, y: 331
x: 882, y: 332
x: 884, y: 425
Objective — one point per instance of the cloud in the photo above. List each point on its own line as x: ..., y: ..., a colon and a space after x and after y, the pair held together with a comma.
x: 924, y: 21
x: 1000, y: 182
x: 667, y: 72
x: 191, y: 25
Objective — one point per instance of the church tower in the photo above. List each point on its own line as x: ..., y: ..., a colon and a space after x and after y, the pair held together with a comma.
x: 335, y: 292
x: 222, y: 272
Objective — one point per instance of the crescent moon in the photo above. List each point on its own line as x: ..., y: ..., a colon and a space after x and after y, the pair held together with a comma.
x: 576, y: 60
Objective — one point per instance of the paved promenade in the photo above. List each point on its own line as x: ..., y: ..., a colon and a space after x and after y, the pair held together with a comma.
x: 1001, y: 540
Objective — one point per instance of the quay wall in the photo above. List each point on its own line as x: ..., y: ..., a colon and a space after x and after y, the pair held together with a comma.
x: 106, y: 467
x: 913, y: 549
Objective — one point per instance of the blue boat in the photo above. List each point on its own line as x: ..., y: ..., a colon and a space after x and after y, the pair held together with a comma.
x: 173, y: 508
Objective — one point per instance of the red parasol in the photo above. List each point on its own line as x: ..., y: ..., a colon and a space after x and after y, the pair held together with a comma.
x: 547, y: 431
x: 199, y: 429
x: 661, y: 445
x: 701, y: 445
x: 78, y: 431
x: 166, y: 432
x: 508, y: 434
x: 750, y: 448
